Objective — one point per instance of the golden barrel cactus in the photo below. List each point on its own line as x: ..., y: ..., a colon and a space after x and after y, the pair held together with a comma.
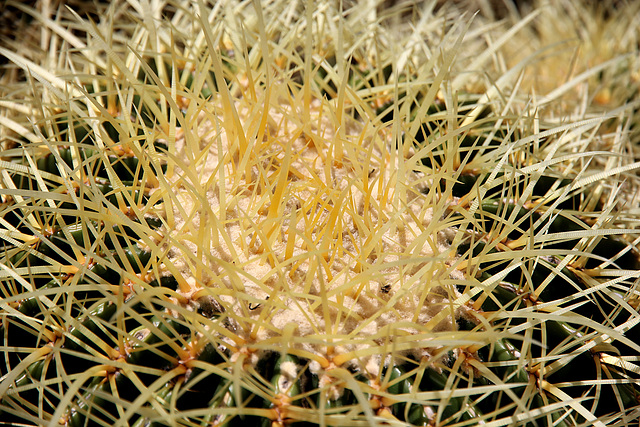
x: 319, y: 213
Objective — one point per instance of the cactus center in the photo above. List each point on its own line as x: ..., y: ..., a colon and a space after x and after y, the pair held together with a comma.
x: 308, y: 229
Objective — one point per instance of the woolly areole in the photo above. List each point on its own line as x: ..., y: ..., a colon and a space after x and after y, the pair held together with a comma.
x: 317, y: 226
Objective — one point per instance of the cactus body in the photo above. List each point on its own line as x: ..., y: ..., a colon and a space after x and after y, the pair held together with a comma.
x: 219, y: 222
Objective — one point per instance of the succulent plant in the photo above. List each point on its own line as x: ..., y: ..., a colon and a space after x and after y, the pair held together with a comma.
x: 303, y: 213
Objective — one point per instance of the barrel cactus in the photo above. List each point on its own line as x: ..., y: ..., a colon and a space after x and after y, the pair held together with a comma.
x: 319, y: 213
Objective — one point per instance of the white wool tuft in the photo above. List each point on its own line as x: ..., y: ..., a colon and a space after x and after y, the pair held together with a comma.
x: 363, y: 265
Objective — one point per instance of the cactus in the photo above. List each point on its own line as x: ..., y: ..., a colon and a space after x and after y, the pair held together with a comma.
x: 275, y: 213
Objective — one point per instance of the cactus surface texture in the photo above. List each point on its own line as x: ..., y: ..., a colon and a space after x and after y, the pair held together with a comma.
x: 274, y: 213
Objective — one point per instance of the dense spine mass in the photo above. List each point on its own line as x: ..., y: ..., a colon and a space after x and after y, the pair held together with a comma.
x: 208, y: 220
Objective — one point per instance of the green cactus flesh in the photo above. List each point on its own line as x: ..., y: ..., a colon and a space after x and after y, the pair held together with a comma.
x: 256, y: 230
